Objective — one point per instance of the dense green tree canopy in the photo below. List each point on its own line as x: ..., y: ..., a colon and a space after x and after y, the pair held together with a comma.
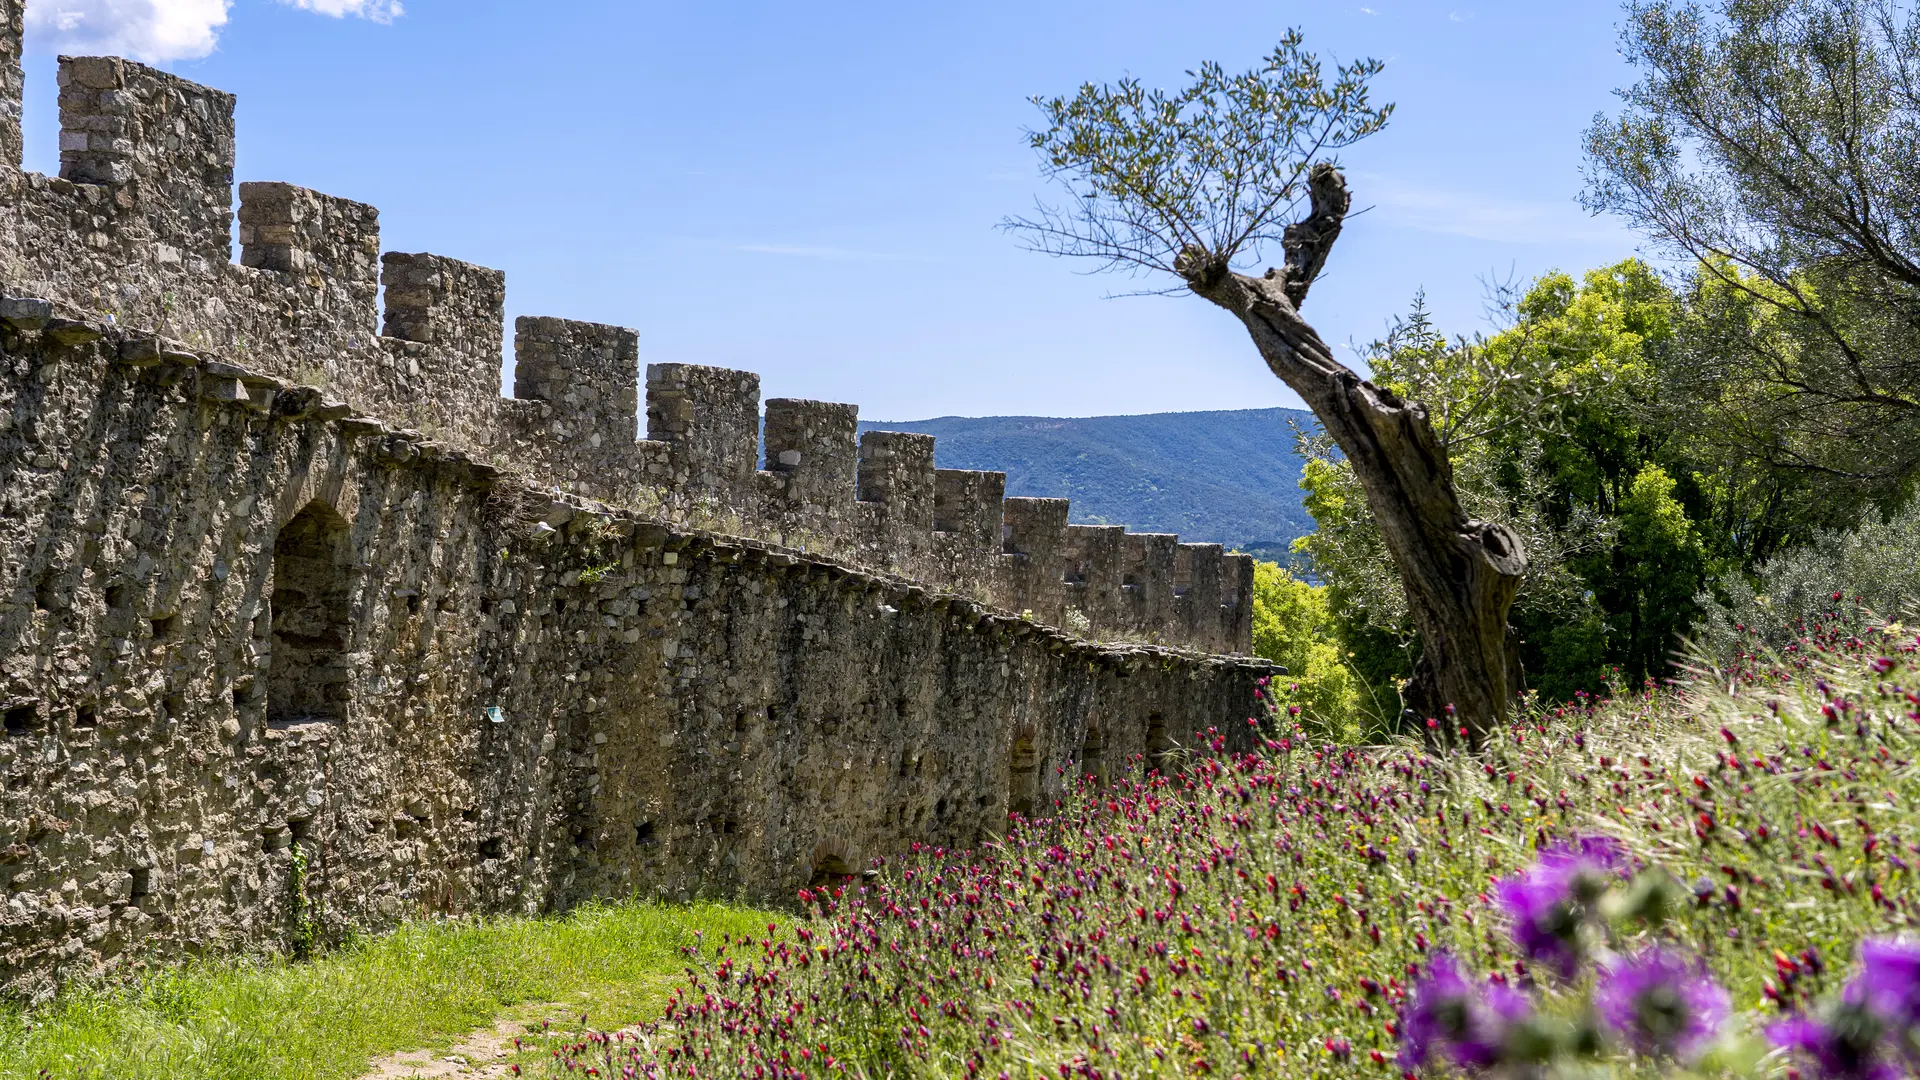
x: 1771, y: 145
x: 1566, y: 425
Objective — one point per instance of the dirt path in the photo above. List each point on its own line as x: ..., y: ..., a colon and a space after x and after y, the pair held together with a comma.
x: 481, y: 1053
x: 486, y: 1054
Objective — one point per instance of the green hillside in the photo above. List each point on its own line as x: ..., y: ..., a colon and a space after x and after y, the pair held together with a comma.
x: 1225, y: 477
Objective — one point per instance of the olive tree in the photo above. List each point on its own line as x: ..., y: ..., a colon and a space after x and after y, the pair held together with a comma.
x: 1770, y: 145
x: 1191, y: 188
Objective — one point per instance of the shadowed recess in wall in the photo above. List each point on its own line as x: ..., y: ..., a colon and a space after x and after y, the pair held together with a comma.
x: 309, y: 679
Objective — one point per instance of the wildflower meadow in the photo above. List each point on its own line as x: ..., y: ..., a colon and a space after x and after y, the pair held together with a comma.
x: 1712, y: 876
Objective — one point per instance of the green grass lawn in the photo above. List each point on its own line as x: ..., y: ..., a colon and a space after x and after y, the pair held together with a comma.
x: 421, y: 986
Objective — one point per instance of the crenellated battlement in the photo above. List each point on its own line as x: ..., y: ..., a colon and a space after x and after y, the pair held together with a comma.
x: 137, y: 230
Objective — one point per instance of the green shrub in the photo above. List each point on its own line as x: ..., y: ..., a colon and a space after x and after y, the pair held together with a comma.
x: 1875, y: 565
x: 1293, y: 626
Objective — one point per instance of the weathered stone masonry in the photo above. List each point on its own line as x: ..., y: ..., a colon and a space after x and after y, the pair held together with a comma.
x: 279, y: 569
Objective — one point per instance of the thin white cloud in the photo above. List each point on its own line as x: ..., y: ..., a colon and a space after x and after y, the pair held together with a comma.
x: 157, y: 30
x: 1454, y: 16
x: 1479, y: 215
x: 380, y: 11
x: 844, y: 254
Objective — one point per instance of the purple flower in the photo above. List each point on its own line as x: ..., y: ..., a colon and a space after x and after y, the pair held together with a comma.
x: 1889, y: 981
x: 1586, y: 865
x: 1548, y: 901
x: 1662, y: 1004
x: 1450, y: 1017
x: 1546, y: 924
x: 1845, y: 1044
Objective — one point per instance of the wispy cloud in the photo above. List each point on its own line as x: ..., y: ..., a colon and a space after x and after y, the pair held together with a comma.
x: 380, y: 11
x: 1480, y: 215
x: 159, y: 30
x: 842, y: 254
x: 1457, y: 16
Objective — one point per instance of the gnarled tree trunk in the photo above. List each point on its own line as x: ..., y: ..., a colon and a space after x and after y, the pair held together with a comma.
x: 1460, y: 574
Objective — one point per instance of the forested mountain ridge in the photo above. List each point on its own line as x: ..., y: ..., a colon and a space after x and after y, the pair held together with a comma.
x: 1228, y: 477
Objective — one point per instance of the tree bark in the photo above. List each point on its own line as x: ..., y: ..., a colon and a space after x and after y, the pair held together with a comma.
x: 1460, y: 575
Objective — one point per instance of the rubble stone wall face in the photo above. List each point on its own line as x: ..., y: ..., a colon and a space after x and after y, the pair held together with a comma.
x: 303, y: 626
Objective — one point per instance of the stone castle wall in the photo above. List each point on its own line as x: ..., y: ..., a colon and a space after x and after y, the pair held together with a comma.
x: 304, y: 628
x: 137, y: 228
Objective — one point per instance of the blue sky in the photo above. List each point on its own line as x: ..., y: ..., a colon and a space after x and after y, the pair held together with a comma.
x: 810, y: 191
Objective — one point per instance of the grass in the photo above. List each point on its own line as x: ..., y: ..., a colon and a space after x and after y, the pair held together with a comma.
x: 422, y: 986
x: 1273, y: 913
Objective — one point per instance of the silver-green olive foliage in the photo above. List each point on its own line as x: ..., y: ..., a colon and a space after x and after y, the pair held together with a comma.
x: 1770, y: 145
x: 1155, y: 179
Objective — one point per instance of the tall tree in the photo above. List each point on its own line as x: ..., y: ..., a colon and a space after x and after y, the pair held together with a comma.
x: 1771, y: 143
x: 1188, y: 185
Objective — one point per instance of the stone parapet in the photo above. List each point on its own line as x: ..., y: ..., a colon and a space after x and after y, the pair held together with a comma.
x: 245, y: 629
x: 137, y: 230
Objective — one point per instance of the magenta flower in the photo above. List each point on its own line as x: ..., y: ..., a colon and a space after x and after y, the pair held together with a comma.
x: 1589, y: 861
x: 1549, y: 900
x: 1662, y: 1004
x: 1449, y: 1017
x: 1889, y: 981
x: 1846, y: 1044
x: 1546, y: 924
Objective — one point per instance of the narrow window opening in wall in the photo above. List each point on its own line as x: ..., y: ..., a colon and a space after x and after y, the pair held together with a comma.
x: 85, y: 717
x: 739, y: 723
x: 643, y: 834
x: 559, y: 606
x: 493, y: 847
x: 142, y: 882
x: 115, y: 596
x: 1159, y: 745
x: 299, y: 829
x: 165, y: 627
x: 46, y: 593
x: 1129, y: 584
x: 308, y: 678
x: 173, y: 707
x: 413, y: 604
x: 23, y: 718
x: 1076, y: 574
x: 1093, y: 756
x: 486, y: 607
x: 1023, y: 767
x: 940, y: 810
x: 240, y: 695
